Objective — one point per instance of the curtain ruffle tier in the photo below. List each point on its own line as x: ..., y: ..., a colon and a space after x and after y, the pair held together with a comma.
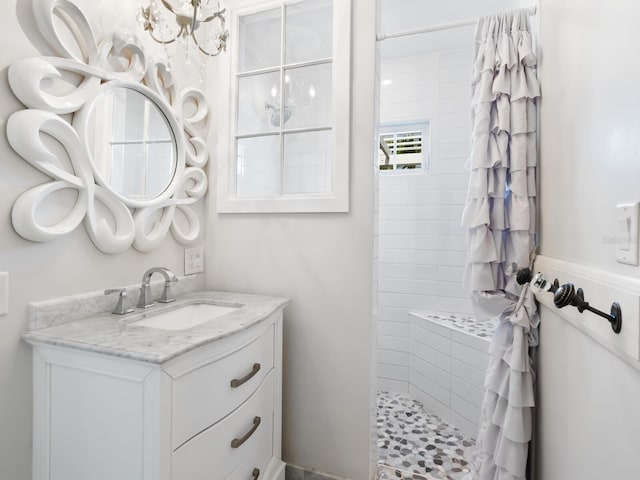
x: 500, y: 214
x: 500, y: 211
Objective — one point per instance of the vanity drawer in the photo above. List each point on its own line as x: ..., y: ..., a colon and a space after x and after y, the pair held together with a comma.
x: 243, y: 438
x: 205, y: 395
x: 254, y: 465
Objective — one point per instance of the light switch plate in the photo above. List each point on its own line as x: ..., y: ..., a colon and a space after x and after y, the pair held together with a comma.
x: 4, y: 293
x: 627, y: 233
x: 193, y: 260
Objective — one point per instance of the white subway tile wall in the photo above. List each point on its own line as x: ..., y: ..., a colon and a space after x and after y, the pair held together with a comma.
x: 421, y: 245
x: 446, y: 371
x: 468, y: 373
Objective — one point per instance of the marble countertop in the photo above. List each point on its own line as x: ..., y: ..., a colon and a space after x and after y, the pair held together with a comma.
x: 117, y: 335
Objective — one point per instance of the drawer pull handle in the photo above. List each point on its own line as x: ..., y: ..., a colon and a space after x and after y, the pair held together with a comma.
x: 255, y: 474
x: 236, y: 442
x: 235, y: 383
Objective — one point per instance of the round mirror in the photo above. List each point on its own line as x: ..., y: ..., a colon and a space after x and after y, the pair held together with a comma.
x: 132, y: 144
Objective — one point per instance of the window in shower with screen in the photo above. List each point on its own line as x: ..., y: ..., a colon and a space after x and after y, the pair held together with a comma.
x: 404, y: 148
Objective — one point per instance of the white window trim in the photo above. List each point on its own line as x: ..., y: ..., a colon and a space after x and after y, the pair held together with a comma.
x: 338, y: 199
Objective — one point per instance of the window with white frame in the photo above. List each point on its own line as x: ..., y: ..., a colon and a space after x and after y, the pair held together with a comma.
x: 288, y: 142
x: 404, y: 147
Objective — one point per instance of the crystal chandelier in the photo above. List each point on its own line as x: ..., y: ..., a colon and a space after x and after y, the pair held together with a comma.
x: 190, y: 15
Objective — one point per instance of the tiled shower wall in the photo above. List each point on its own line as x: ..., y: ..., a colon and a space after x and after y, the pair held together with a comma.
x: 421, y: 245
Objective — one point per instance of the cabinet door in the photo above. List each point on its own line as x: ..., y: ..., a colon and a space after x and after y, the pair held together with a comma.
x: 232, y: 442
x: 97, y: 424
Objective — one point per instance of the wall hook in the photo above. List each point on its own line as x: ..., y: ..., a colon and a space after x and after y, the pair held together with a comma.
x: 539, y: 282
x: 568, y: 295
x: 523, y: 276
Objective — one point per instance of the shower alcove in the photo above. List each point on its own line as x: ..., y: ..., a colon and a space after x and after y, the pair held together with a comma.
x: 432, y: 352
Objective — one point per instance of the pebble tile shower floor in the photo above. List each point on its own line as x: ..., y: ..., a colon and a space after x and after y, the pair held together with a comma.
x: 416, y: 445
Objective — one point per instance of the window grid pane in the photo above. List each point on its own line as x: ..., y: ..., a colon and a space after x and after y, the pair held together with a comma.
x: 260, y: 36
x: 308, y: 31
x: 307, y: 162
x: 258, y: 104
x: 258, y: 166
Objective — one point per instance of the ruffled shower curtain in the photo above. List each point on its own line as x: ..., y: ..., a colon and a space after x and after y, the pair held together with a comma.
x: 500, y: 215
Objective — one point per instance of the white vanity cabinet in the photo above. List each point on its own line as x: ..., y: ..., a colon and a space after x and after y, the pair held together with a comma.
x: 212, y: 413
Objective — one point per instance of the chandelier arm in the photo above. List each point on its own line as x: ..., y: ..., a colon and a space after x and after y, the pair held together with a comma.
x: 169, y: 7
x: 213, y: 17
x: 194, y: 20
x: 195, y: 41
x: 163, y: 42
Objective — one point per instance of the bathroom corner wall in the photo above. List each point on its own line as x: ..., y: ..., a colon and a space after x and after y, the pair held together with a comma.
x: 66, y: 266
x: 421, y: 245
x: 588, y: 415
x: 323, y: 262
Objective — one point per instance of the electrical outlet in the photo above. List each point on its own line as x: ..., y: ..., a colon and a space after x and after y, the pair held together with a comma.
x: 193, y: 260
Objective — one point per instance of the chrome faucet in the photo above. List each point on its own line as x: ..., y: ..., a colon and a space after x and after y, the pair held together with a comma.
x: 145, y: 300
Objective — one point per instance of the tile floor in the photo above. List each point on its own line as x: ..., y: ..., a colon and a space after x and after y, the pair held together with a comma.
x: 416, y: 445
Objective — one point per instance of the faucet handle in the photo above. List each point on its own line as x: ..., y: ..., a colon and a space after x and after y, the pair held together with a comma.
x: 120, y: 308
x: 165, y: 297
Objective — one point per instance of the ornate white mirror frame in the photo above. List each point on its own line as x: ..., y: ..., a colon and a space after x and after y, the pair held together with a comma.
x: 114, y: 221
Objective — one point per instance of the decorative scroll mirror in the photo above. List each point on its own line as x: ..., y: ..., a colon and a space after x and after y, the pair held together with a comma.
x: 133, y: 157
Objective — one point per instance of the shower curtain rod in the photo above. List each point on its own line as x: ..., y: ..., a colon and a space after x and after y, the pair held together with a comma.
x: 436, y: 28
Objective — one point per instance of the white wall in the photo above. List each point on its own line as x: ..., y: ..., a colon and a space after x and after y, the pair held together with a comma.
x: 323, y: 262
x: 589, y: 421
x: 66, y: 266
x: 421, y: 245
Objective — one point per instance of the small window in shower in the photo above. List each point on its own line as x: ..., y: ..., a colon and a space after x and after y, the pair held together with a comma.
x: 404, y: 148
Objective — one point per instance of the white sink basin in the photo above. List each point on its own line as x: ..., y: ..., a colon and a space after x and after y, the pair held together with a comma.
x: 184, y: 317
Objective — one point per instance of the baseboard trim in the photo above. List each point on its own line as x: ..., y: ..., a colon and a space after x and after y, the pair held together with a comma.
x: 294, y: 472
